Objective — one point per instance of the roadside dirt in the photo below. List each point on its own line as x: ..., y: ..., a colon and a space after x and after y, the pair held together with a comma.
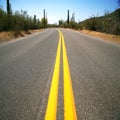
x: 109, y: 37
x: 11, y: 35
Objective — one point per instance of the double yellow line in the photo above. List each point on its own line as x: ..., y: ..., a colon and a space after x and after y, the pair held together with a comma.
x: 69, y: 104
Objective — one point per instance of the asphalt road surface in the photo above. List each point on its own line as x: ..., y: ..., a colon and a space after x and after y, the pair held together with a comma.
x: 26, y: 71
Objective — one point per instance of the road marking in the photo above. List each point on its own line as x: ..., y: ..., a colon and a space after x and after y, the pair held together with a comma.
x: 69, y: 104
x: 53, y: 96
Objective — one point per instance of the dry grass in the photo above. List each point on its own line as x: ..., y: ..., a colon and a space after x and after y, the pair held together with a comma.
x: 109, y: 37
x: 7, y: 36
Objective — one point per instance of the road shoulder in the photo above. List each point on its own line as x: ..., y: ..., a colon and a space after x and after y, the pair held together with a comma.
x: 104, y: 36
x: 6, y: 36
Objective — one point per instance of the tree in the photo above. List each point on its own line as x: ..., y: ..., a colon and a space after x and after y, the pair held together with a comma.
x: 43, y: 22
x: 3, y: 19
x: 60, y: 22
x: 34, y: 19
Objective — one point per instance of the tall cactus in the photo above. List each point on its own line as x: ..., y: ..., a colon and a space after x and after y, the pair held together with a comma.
x: 44, y: 17
x: 9, y: 15
x: 119, y: 3
x: 9, y: 10
x: 68, y: 17
x: 8, y: 7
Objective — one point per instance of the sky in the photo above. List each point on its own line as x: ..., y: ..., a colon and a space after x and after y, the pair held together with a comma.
x: 57, y: 9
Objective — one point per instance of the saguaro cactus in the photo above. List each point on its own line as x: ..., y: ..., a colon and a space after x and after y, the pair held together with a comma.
x: 68, y: 17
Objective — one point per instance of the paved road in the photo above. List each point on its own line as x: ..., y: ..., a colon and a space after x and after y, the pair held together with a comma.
x: 26, y: 69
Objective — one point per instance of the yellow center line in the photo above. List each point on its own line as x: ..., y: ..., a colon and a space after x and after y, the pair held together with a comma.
x: 69, y: 104
x: 53, y: 96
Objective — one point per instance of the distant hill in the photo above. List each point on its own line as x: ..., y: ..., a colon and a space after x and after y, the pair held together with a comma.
x: 109, y: 23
